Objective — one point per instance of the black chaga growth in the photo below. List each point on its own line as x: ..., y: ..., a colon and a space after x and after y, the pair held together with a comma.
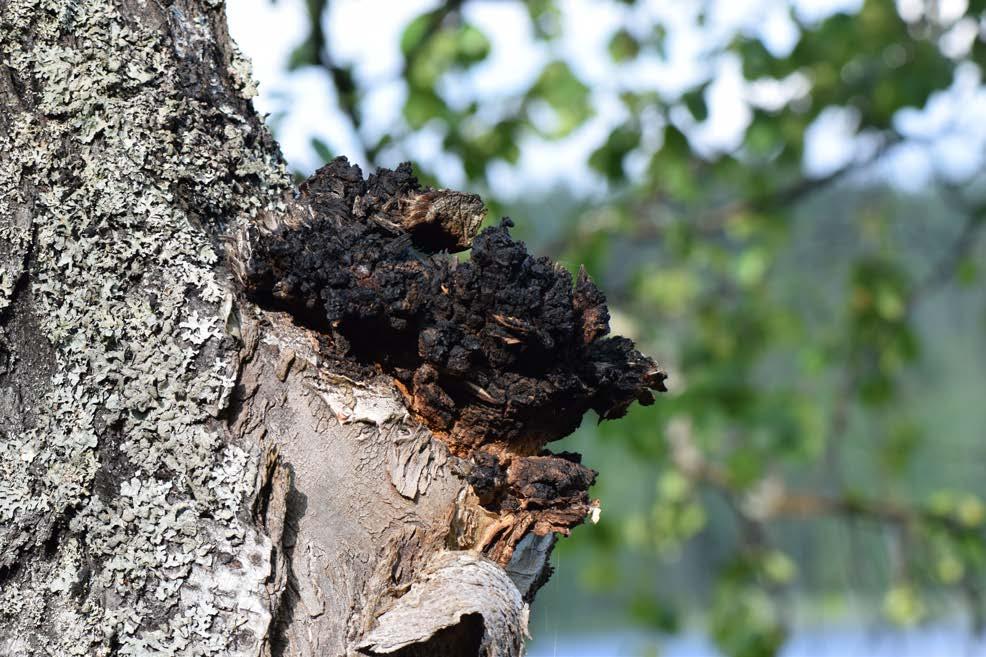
x: 555, y: 483
x: 501, y: 350
x: 497, y: 355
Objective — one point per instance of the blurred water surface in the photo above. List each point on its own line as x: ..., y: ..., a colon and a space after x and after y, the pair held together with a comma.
x: 943, y: 641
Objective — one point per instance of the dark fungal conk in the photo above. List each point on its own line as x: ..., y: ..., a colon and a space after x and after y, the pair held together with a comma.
x: 501, y: 350
x: 549, y: 484
x: 497, y: 355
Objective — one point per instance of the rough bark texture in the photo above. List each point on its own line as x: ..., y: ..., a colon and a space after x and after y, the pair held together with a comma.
x: 238, y: 420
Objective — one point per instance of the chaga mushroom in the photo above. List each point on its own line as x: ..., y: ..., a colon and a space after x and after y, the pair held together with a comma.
x: 503, y: 352
x: 503, y: 348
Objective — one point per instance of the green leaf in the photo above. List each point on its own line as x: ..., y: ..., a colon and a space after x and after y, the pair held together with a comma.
x: 565, y: 94
x: 650, y: 612
x: 968, y: 272
x: 608, y: 158
x: 756, y: 60
x: 745, y: 621
x: 695, y: 102
x: 970, y: 511
x: 322, y: 150
x: 623, y: 46
x: 778, y: 567
x: 421, y: 106
x: 745, y: 466
x: 897, y: 451
x: 472, y: 46
x: 764, y: 137
x: 545, y: 18
x: 305, y: 54
x: 413, y: 36
x: 670, y: 166
x: 903, y: 605
x: 438, y: 52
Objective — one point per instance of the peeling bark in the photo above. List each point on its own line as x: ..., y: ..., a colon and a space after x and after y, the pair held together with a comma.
x: 240, y: 420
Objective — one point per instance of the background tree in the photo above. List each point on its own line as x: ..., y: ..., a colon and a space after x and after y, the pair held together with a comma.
x: 824, y: 324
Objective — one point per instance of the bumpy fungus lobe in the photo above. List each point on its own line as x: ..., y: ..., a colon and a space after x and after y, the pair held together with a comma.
x: 502, y: 353
x: 554, y: 486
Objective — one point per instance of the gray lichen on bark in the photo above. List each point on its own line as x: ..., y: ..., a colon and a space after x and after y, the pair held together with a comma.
x: 127, y: 142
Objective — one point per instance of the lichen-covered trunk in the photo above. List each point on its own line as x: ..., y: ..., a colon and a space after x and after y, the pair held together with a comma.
x: 239, y: 419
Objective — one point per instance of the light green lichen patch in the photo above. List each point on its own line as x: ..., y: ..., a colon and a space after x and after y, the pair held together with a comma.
x: 127, y: 468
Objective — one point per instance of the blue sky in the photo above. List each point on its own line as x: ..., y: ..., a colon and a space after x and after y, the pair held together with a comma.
x: 950, y: 139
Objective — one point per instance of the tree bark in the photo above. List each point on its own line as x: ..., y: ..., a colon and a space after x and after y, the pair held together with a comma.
x: 237, y: 419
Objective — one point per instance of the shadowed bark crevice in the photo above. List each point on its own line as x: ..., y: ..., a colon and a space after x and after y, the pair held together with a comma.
x: 285, y: 609
x: 464, y: 639
x: 26, y: 366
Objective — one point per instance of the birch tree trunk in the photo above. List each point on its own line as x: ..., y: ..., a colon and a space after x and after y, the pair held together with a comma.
x: 241, y: 419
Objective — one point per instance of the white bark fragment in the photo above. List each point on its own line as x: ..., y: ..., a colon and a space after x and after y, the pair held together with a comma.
x: 353, y: 402
x: 452, y: 586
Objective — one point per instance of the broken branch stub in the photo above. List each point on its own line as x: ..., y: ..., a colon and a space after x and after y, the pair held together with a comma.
x: 497, y: 355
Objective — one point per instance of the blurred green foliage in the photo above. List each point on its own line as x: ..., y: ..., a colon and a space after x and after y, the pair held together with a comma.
x: 824, y: 379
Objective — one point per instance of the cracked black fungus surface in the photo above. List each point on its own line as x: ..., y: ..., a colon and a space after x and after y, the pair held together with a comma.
x: 504, y: 349
x: 547, y: 481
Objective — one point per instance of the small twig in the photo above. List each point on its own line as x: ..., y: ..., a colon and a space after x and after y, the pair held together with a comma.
x: 791, y: 194
x: 796, y: 504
